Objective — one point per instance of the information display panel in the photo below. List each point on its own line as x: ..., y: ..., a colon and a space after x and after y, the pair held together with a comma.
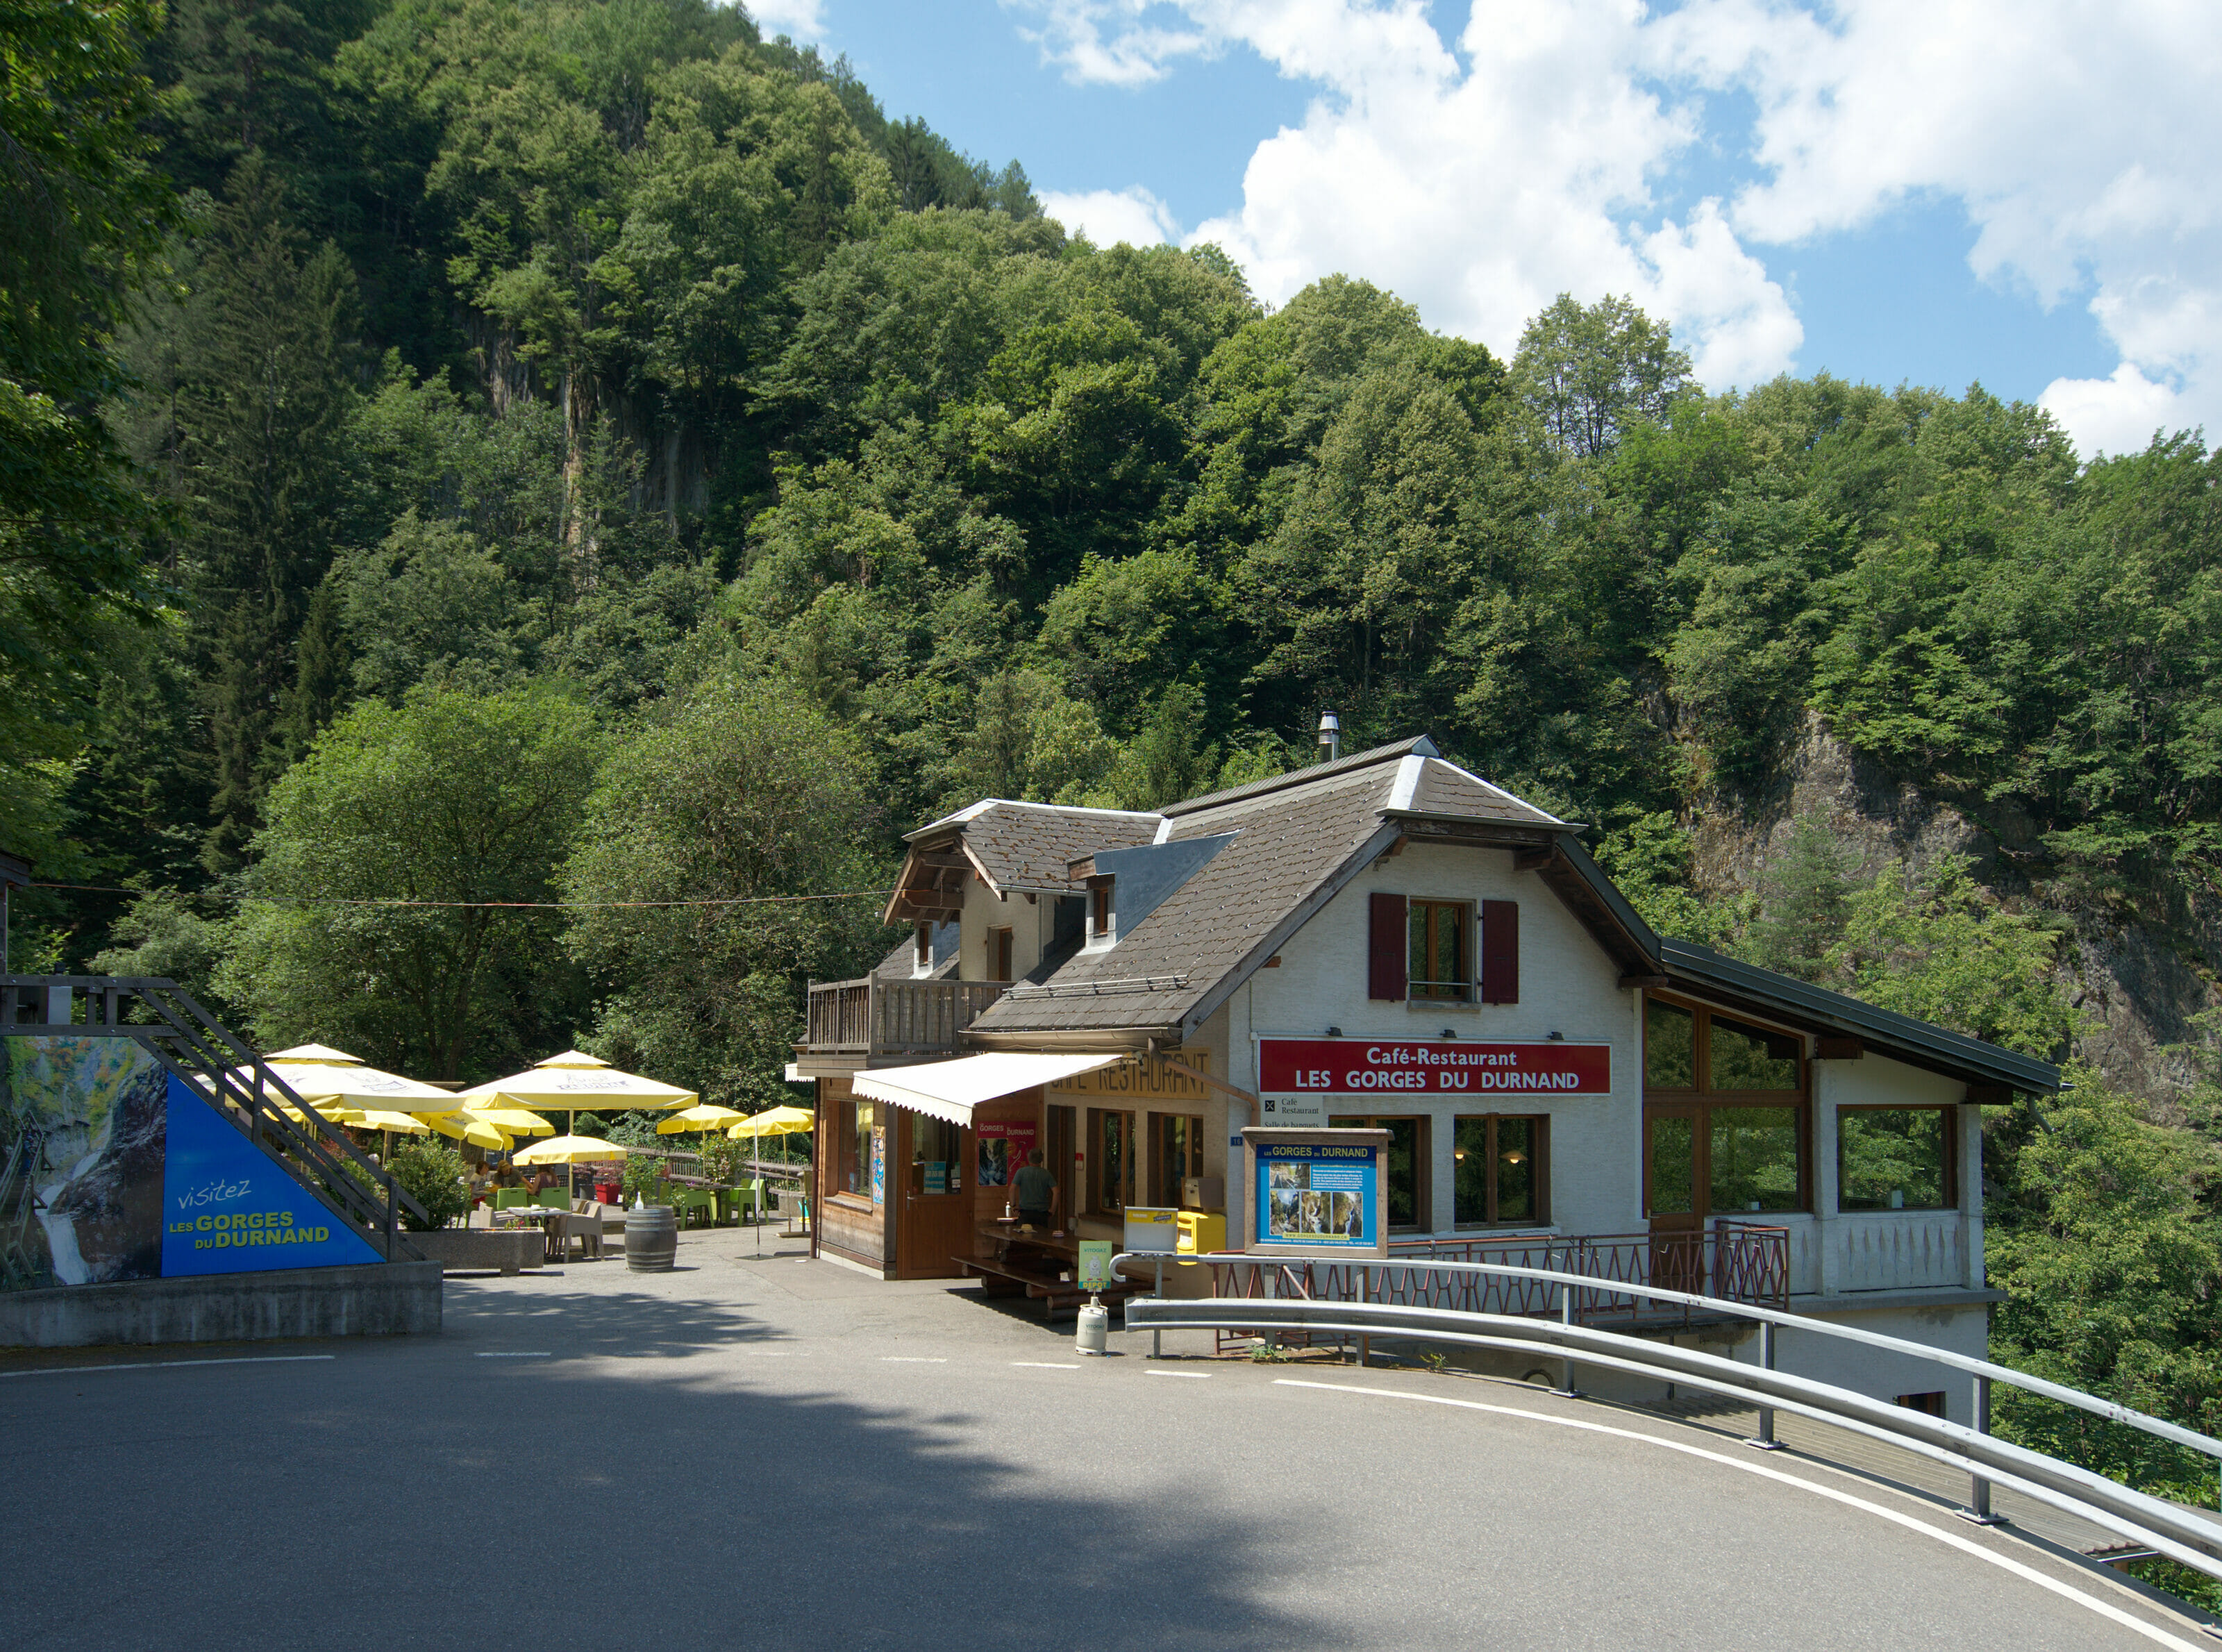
x: 1317, y: 1191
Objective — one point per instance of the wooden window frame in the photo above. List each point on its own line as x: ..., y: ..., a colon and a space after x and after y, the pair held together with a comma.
x: 922, y: 946
x: 1166, y: 1178
x: 1428, y: 910
x: 1707, y: 1101
x: 1539, y: 1147
x: 1001, y: 952
x: 1099, y: 910
x: 1424, y: 1163
x: 1093, y: 1162
x: 845, y: 1124
x: 1951, y: 1135
x: 1060, y: 1124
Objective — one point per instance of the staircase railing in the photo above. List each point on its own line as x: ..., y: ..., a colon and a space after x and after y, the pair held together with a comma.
x: 191, y: 1043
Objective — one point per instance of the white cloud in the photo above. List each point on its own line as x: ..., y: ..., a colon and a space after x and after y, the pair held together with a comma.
x: 2076, y: 135
x: 803, y: 19
x: 1107, y: 216
x: 1478, y: 192
x: 2078, y: 138
x: 2116, y: 415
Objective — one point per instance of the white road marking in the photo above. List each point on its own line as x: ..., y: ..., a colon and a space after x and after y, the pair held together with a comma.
x: 537, y: 1353
x: 1044, y: 1364
x: 913, y: 1359
x: 1197, y: 1376
x: 164, y: 1364
x: 2029, y: 1573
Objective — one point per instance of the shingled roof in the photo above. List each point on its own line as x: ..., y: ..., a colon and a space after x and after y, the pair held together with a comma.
x: 1282, y: 848
x: 1293, y: 841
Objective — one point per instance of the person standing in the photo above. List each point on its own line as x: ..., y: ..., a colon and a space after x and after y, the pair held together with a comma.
x: 1036, y: 1194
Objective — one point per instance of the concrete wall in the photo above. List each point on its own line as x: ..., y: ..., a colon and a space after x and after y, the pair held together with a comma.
x: 380, y: 1299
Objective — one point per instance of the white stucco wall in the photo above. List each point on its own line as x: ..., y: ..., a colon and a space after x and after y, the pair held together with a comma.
x: 1568, y: 985
x: 1029, y: 919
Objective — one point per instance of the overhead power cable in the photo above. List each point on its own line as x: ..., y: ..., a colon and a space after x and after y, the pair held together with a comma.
x: 515, y: 906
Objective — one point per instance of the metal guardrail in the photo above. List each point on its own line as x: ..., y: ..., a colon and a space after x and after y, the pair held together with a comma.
x: 192, y: 1044
x: 2182, y: 1535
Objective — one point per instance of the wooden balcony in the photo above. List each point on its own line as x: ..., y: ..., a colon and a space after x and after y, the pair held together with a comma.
x: 873, y: 1017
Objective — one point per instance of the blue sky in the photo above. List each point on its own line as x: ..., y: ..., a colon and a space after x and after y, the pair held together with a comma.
x: 1890, y: 190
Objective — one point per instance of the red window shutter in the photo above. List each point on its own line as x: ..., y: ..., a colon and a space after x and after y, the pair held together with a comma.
x: 1385, y: 970
x: 1500, y: 952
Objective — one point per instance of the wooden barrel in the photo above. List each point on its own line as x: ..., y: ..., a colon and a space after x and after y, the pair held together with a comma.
x: 651, y: 1239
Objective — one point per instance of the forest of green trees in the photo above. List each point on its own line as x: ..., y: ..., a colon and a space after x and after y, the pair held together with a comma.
x: 580, y: 452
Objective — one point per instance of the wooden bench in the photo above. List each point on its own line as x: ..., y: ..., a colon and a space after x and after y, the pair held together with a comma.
x: 1057, y: 1296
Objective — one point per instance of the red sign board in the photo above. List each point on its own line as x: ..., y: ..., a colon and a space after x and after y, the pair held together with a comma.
x: 1432, y: 1066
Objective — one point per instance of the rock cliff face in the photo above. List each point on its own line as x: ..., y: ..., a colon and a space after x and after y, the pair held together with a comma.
x: 2142, y: 961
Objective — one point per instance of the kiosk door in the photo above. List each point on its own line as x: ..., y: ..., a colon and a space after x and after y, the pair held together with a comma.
x: 1674, y: 1188
x: 933, y: 1170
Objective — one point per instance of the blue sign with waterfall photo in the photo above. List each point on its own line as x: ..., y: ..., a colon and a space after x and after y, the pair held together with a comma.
x: 112, y: 1169
x: 226, y: 1209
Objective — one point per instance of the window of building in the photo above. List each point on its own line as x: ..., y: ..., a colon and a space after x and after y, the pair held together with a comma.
x: 1407, y: 1192
x: 1111, y: 1176
x: 1895, y: 1159
x: 1498, y: 1170
x: 1442, y: 949
x: 1739, y: 1056
x: 936, y: 1155
x: 921, y: 948
x: 1725, y: 1116
x: 857, y: 1172
x: 998, y: 955
x: 1177, y: 1153
x: 1752, y: 1161
x: 1098, y: 910
x: 1670, y: 1046
x: 1062, y: 1128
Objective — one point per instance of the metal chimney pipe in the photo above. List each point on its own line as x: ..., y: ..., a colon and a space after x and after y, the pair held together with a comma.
x: 1330, y: 737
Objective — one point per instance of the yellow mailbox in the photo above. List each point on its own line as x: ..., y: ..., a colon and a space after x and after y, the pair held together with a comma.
x: 1202, y: 1232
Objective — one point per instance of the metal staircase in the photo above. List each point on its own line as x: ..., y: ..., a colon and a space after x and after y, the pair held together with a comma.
x: 164, y: 1020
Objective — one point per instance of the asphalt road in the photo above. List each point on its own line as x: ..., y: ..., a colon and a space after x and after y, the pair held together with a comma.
x: 782, y: 1453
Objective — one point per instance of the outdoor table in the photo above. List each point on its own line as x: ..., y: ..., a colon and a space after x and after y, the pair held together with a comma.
x: 1058, y: 1253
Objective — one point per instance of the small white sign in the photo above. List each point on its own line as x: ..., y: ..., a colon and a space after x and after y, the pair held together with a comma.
x: 1306, y: 1111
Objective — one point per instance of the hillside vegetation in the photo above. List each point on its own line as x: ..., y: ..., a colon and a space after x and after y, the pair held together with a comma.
x: 578, y: 455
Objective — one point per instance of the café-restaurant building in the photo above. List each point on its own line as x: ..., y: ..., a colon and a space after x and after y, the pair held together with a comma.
x: 1388, y: 941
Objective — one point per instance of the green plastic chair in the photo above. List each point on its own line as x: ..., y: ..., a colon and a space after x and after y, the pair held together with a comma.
x: 512, y: 1198
x: 555, y: 1198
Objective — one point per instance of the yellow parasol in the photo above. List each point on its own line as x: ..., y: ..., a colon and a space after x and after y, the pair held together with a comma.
x: 378, y: 1118
x: 781, y: 1121
x: 467, y: 1126
x: 774, y: 1122
x: 511, y: 1121
x: 575, y: 1083
x: 318, y: 1073
x: 703, y: 1115
x: 570, y: 1150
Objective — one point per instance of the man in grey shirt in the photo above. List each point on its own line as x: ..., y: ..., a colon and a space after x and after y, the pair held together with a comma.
x: 1034, y: 1192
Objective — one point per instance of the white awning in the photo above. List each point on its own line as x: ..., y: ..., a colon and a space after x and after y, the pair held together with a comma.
x: 950, y: 1089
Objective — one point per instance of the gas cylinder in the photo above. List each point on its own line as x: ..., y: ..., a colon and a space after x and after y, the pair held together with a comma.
x: 1094, y: 1335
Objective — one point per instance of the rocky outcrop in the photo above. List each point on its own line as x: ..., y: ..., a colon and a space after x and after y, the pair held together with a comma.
x: 2141, y: 963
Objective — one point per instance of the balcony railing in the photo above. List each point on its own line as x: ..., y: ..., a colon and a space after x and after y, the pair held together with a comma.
x: 1736, y: 1261
x: 879, y: 1017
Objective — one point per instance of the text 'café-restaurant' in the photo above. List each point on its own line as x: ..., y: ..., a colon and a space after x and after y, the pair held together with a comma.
x: 1384, y: 942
